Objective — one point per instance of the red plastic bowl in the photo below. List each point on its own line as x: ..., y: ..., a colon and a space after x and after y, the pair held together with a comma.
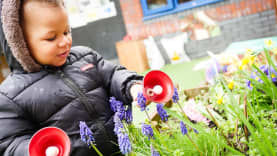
x: 49, y: 136
x: 156, y: 77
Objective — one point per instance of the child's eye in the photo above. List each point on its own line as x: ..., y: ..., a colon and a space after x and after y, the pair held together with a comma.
x: 67, y: 32
x: 51, y: 39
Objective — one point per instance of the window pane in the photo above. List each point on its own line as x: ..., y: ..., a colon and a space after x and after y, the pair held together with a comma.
x: 184, y: 1
x: 154, y: 4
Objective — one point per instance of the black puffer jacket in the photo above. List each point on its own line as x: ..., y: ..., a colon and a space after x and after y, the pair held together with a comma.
x: 31, y: 99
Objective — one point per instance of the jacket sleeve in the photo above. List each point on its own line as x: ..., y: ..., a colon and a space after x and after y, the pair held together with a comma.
x: 117, y: 78
x: 15, y: 131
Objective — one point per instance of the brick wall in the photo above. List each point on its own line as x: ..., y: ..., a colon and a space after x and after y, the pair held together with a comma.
x: 238, y: 20
x: 253, y: 26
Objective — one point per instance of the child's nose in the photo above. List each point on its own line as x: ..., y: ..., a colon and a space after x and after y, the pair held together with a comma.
x: 65, y: 41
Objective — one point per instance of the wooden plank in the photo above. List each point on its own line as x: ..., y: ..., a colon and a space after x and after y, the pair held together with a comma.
x: 132, y: 55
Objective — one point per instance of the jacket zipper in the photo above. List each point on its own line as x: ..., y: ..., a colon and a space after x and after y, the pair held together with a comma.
x: 77, y: 91
x: 84, y: 100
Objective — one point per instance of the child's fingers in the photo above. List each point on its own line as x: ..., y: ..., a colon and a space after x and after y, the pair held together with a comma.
x: 135, y: 102
x: 147, y: 103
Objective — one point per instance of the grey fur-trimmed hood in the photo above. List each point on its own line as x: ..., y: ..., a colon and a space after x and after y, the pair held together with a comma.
x: 12, y: 39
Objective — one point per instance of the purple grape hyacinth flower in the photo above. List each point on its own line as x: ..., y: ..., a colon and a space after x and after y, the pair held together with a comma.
x: 86, y: 134
x: 162, y: 112
x: 147, y: 130
x: 183, y: 128
x: 128, y: 115
x: 118, y: 125
x: 120, y: 110
x: 154, y: 152
x: 175, y: 97
x: 141, y: 101
x: 195, y: 131
x: 117, y: 106
x: 124, y: 143
x: 113, y: 104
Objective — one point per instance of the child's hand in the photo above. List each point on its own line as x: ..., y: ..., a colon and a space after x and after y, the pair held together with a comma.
x: 134, y: 90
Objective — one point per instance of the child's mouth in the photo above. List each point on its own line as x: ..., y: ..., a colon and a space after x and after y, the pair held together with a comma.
x: 63, y: 55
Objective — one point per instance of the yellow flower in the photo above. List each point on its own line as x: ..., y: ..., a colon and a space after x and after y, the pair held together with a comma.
x: 231, y: 85
x: 175, y: 57
x: 248, y: 58
x: 251, y: 59
x: 273, y: 76
x: 269, y: 43
x: 248, y: 51
x: 219, y: 100
x: 244, y: 62
x: 241, y: 67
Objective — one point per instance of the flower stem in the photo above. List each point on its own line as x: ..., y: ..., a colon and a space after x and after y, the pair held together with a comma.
x: 147, y: 115
x: 126, y: 130
x: 246, y: 116
x: 217, y: 125
x: 95, y: 148
x: 194, y: 144
x: 213, y: 118
x: 166, y: 122
x: 184, y: 114
x: 236, y: 131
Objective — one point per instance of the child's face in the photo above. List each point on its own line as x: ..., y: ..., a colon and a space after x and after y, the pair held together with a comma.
x: 47, y: 32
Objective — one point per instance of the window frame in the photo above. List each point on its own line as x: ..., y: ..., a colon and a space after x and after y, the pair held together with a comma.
x: 148, y: 12
x: 172, y: 7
